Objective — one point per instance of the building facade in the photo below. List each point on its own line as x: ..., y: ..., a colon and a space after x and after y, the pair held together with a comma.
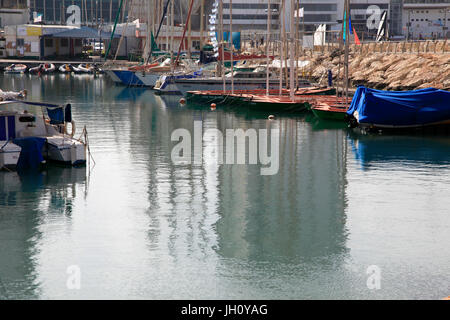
x: 13, y: 12
x: 91, y: 12
x: 250, y: 14
x: 426, y: 19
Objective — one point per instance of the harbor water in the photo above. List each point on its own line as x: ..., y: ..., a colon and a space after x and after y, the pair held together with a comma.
x: 346, y: 217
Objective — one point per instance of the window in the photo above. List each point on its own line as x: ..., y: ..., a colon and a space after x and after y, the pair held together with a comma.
x: 196, y: 44
x: 48, y: 43
x: 64, y: 42
x: 20, y: 42
x: 78, y: 42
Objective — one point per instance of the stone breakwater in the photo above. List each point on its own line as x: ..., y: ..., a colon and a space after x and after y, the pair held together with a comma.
x: 399, y: 68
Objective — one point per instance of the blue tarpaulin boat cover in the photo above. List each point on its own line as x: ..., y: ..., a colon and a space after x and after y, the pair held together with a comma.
x: 400, y: 108
x: 59, y: 115
x: 31, y: 154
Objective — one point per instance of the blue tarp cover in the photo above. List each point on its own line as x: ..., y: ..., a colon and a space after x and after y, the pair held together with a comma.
x: 401, y: 108
x: 56, y: 115
x: 31, y: 154
x: 59, y: 116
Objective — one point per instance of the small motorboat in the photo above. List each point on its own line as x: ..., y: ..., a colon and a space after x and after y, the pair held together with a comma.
x: 39, y: 138
x: 333, y: 109
x: 16, y: 68
x: 43, y: 68
x: 84, y: 68
x: 10, y: 95
x: 65, y: 68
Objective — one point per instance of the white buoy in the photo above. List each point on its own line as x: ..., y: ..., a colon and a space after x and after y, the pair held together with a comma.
x: 271, y: 117
x: 182, y: 101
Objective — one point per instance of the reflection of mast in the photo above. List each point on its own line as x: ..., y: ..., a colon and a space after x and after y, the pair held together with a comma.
x: 288, y: 218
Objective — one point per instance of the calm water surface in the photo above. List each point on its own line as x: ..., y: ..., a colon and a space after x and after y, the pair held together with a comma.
x: 140, y: 227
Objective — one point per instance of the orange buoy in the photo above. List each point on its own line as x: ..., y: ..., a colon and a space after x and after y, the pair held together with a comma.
x: 213, y: 106
x: 182, y: 101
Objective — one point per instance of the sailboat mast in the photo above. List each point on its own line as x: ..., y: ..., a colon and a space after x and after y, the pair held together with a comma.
x: 189, y: 38
x: 281, y: 46
x: 171, y: 34
x: 166, y: 16
x: 221, y: 42
x: 202, y: 23
x: 231, y: 46
x: 269, y: 22
x: 184, y: 31
x: 148, y: 37
x: 347, y: 45
x: 292, y: 51
x: 297, y: 41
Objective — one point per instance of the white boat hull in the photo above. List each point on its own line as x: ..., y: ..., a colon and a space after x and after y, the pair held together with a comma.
x: 65, y: 150
x: 9, y: 155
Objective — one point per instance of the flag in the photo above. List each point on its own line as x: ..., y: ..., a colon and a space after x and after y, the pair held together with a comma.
x: 37, y: 17
x: 382, y: 28
x: 153, y: 42
x: 350, y: 25
x: 299, y: 13
x: 356, y: 37
x: 345, y: 27
x: 319, y: 35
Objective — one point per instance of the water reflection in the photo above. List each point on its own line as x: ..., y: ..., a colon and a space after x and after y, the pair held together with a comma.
x: 295, y: 215
x: 26, y: 202
x: 400, y: 149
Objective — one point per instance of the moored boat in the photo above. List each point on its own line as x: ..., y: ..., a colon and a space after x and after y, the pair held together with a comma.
x: 84, y: 68
x: 39, y: 137
x: 9, y: 95
x: 43, y: 68
x: 65, y: 68
x: 399, y: 110
x: 242, y: 80
x: 16, y: 68
x: 166, y: 84
x: 333, y: 109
